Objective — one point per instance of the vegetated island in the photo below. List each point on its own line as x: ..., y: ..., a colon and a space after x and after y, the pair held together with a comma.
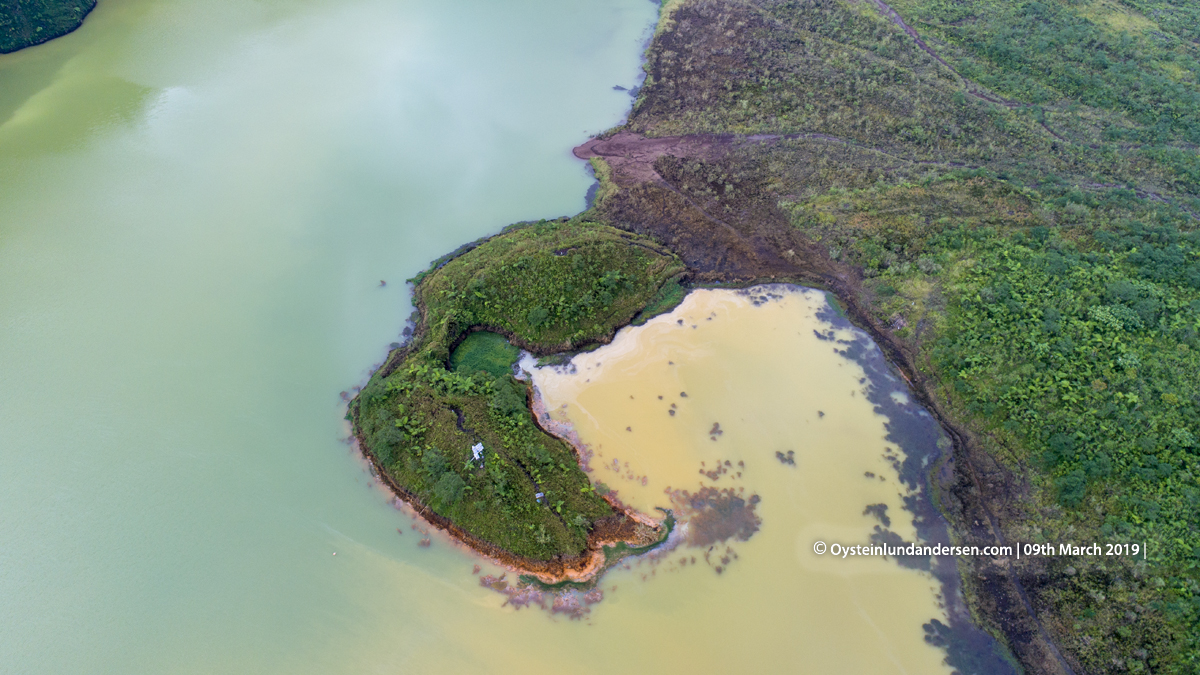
x: 24, y: 23
x: 448, y: 427
x: 1005, y: 196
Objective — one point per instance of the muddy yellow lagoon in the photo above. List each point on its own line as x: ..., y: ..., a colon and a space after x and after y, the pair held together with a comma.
x: 767, y: 397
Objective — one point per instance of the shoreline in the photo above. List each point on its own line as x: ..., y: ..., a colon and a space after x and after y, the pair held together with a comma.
x: 27, y: 39
x: 997, y: 586
x: 718, y: 254
x: 622, y: 527
x: 581, y: 569
x: 1007, y: 602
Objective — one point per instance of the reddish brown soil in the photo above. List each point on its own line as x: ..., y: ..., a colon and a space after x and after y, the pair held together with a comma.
x: 632, y: 155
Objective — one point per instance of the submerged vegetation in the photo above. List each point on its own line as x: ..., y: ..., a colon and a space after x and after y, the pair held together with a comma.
x: 446, y: 420
x: 24, y: 23
x: 1006, y: 195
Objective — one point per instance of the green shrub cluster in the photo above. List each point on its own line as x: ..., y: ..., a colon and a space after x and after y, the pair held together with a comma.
x: 1138, y: 60
x: 547, y: 286
x: 551, y: 286
x: 1104, y: 55
x: 421, y: 424
x: 1074, y: 352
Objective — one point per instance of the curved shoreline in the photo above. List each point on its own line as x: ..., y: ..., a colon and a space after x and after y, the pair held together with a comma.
x: 1003, y: 597
x: 27, y: 39
x: 626, y: 526
x: 718, y: 254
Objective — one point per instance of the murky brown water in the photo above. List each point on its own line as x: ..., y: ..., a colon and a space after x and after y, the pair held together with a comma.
x: 742, y: 396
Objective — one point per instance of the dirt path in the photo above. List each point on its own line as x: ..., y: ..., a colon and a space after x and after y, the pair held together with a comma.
x: 971, y: 87
x: 631, y: 156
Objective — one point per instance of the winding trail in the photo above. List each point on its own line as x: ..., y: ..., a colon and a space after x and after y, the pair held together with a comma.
x: 971, y: 87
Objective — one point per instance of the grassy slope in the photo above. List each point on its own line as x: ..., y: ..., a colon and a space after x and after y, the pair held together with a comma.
x: 548, y: 287
x: 24, y: 23
x: 1024, y: 226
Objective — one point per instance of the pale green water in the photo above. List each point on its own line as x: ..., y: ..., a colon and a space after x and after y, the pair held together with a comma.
x: 197, y: 203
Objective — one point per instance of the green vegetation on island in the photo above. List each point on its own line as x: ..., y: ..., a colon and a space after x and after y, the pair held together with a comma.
x: 1006, y: 194
x: 24, y: 23
x: 547, y: 287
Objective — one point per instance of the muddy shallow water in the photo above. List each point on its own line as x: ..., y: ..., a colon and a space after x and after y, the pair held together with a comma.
x: 768, y: 425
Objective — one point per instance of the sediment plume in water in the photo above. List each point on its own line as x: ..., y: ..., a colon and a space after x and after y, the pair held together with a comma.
x: 715, y: 516
x: 756, y: 416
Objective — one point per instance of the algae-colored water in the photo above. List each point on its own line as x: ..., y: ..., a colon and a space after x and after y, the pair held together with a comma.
x: 198, y: 202
x: 757, y: 372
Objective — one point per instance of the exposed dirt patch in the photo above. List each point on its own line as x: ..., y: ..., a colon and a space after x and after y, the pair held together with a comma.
x: 741, y: 236
x: 632, y: 156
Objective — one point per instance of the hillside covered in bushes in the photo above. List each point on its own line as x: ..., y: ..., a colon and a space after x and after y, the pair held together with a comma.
x: 1006, y: 195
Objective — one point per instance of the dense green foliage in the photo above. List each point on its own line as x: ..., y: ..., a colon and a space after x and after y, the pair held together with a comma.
x: 1019, y: 192
x: 24, y: 23
x: 1075, y: 353
x: 485, y: 351
x: 412, y: 425
x: 1102, y: 54
x: 549, y: 285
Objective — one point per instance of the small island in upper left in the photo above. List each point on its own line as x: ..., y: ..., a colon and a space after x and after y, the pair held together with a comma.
x: 25, y: 23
